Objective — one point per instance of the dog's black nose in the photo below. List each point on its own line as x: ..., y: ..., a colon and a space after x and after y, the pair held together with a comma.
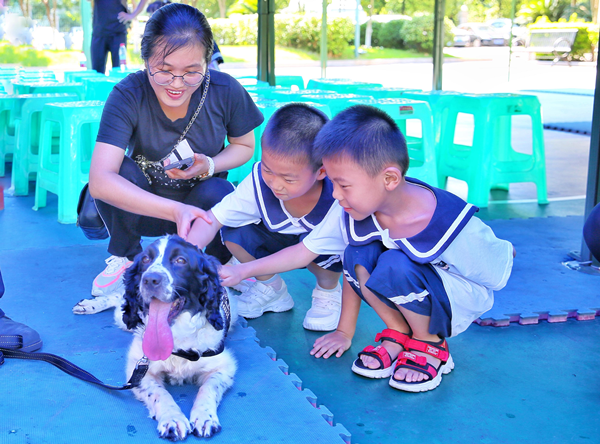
x: 152, y: 279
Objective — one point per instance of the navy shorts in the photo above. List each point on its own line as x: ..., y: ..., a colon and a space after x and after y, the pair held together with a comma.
x: 258, y: 241
x: 397, y: 280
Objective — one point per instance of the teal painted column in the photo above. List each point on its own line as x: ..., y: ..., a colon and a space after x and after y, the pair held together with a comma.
x: 266, y: 42
x: 86, y: 24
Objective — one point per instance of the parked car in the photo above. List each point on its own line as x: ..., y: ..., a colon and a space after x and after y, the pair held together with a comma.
x: 503, y: 27
x: 464, y: 37
x: 484, y: 34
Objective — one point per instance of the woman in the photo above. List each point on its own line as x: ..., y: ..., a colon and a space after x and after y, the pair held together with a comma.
x: 147, y: 115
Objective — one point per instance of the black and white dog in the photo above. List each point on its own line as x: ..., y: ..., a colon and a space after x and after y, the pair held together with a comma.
x: 179, y: 313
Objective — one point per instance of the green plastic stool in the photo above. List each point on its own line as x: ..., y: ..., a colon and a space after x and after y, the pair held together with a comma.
x: 79, y: 76
x: 27, y: 113
x: 384, y: 92
x: 438, y: 102
x: 47, y: 88
x: 98, y: 88
x: 336, y: 102
x: 66, y: 173
x: 491, y: 162
x: 266, y: 91
x: 297, y: 96
x: 421, y: 150
x: 341, y: 86
x: 290, y: 81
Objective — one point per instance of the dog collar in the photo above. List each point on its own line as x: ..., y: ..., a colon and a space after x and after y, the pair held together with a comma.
x: 192, y: 355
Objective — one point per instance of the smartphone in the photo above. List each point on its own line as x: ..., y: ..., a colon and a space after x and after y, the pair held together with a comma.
x: 182, y: 157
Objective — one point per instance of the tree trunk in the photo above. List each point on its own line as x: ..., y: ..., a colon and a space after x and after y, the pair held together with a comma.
x: 222, y: 8
x: 25, y: 8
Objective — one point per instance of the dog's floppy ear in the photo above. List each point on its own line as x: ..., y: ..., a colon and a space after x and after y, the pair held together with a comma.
x: 208, y: 272
x: 133, y: 301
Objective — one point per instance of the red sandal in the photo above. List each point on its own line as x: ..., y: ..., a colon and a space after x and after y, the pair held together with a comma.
x: 419, y: 363
x: 381, y: 354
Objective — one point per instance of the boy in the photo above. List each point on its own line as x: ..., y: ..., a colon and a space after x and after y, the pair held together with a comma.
x: 276, y: 206
x: 413, y: 252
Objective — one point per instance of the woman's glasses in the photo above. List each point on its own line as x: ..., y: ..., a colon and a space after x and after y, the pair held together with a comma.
x: 164, y: 78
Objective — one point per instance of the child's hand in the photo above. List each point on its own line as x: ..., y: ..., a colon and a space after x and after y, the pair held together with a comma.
x: 335, y: 342
x: 230, y: 275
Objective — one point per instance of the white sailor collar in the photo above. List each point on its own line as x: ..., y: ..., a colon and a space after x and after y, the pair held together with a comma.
x: 272, y: 209
x: 449, y: 218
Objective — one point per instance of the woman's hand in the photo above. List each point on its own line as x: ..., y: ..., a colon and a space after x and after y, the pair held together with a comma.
x: 185, y: 215
x: 199, y: 166
x: 335, y: 342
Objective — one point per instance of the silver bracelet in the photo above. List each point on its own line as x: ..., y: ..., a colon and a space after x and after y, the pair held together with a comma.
x: 210, y: 172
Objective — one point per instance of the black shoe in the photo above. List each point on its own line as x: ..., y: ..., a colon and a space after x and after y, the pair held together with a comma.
x: 10, y: 330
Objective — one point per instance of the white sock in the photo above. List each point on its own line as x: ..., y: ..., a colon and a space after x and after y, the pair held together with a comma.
x: 275, y: 282
x: 333, y: 290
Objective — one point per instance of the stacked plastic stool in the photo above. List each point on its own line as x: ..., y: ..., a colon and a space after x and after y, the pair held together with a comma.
x: 438, y: 102
x: 340, y: 86
x: 421, y: 149
x: 384, y: 92
x: 26, y: 114
x: 66, y: 172
x: 336, y: 102
x: 491, y: 162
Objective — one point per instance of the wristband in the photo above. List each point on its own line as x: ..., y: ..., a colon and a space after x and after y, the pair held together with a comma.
x: 210, y: 172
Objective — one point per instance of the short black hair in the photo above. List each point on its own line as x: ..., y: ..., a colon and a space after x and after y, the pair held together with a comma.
x: 175, y: 26
x: 365, y: 134
x: 291, y: 131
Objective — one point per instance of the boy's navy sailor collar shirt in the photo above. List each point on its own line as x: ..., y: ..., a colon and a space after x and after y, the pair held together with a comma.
x: 272, y: 209
x: 449, y: 218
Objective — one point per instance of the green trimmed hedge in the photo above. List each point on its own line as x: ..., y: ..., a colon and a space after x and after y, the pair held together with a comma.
x: 388, y: 35
x: 301, y: 31
x: 415, y: 34
x: 587, y: 35
x: 418, y: 32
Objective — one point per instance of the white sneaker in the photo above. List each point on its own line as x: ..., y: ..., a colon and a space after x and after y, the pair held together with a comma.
x: 244, y: 285
x: 111, y: 279
x: 260, y: 298
x: 324, y: 314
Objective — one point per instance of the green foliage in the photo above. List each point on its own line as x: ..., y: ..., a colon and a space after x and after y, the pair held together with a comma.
x: 236, y: 30
x: 376, y: 29
x: 301, y: 31
x: 418, y: 32
x: 587, y: 35
x: 553, y: 9
x: 22, y: 55
x: 388, y: 35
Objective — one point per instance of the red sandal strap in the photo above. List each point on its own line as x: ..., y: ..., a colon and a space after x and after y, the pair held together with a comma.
x: 417, y: 363
x: 439, y: 351
x: 379, y: 353
x: 393, y: 336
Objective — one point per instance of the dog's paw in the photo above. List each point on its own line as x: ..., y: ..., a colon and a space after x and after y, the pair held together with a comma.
x: 174, y: 428
x: 204, y: 424
x: 97, y: 304
x: 88, y: 306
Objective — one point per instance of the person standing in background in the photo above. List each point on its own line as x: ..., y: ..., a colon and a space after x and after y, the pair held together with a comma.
x: 110, y: 23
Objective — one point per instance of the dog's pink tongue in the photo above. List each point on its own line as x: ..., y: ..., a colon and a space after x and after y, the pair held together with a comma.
x: 158, y: 339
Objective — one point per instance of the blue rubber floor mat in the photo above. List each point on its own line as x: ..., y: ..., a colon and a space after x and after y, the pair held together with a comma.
x: 42, y: 404
x: 47, y: 268
x: 540, y: 286
x: 570, y: 127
